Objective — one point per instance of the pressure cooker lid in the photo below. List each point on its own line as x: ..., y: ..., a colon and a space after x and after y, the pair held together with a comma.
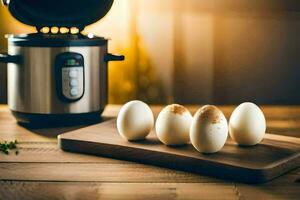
x: 61, y: 13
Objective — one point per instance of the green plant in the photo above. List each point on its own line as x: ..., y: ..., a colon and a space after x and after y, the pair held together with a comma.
x: 5, y: 146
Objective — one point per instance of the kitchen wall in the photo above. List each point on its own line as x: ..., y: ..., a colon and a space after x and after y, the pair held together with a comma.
x: 257, y: 58
x: 223, y: 57
x: 179, y: 51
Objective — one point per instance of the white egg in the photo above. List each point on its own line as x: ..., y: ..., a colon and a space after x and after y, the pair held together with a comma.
x: 135, y: 120
x: 209, y: 129
x: 247, y: 124
x: 173, y: 124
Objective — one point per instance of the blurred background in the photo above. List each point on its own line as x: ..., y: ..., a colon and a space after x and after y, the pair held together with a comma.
x: 196, y: 51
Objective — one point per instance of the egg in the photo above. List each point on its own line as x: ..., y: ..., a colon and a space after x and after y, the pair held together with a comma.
x: 247, y: 124
x: 209, y: 129
x: 135, y: 120
x: 173, y: 124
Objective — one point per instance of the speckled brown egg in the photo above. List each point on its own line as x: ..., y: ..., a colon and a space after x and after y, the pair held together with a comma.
x: 209, y: 129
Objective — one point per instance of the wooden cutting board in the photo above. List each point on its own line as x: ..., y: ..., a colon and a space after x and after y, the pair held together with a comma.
x: 275, y: 156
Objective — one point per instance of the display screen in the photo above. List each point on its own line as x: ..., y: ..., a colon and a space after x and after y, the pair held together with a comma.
x: 72, y: 62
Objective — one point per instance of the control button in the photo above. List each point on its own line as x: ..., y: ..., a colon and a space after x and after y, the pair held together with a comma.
x: 74, y: 92
x: 73, y: 74
x: 73, y: 82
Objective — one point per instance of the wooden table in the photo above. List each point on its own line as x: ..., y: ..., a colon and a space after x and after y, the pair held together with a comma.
x: 42, y: 171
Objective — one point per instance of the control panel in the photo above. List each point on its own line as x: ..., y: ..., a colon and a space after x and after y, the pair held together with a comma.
x: 69, y: 72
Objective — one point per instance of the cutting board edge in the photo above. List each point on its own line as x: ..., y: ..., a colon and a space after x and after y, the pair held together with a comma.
x: 242, y: 174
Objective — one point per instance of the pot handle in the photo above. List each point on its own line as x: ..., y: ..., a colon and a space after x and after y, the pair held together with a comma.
x: 6, y: 58
x: 111, y: 57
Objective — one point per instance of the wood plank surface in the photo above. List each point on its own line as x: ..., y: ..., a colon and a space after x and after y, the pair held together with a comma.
x: 127, y: 191
x: 47, y: 152
x: 42, y: 171
x: 103, y: 172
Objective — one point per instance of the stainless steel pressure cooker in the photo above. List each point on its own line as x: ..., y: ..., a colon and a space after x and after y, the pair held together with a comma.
x: 55, y: 75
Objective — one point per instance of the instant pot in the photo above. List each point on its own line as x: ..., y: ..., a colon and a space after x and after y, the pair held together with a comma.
x: 57, y: 74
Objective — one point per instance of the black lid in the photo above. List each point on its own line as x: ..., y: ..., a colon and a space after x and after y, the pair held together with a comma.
x: 57, y: 40
x: 61, y: 13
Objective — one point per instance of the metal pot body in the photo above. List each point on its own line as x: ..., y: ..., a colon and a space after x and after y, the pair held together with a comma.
x: 57, y: 78
x: 33, y: 84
